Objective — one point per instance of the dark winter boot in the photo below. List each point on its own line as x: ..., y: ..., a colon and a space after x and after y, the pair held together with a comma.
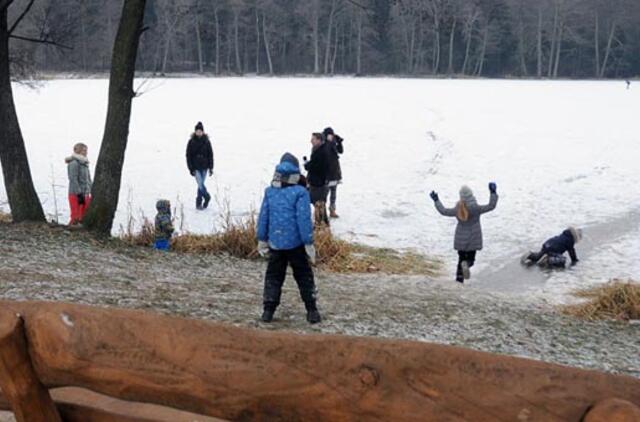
x: 332, y: 213
x: 267, y: 315
x: 199, y: 203
x: 313, y: 316
x: 207, y: 198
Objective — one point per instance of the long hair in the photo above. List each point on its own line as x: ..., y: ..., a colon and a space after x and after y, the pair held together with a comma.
x: 462, y: 212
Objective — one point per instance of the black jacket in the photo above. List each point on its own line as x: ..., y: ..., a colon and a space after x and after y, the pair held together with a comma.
x: 561, y: 244
x: 335, y: 149
x: 318, y: 166
x: 199, y: 154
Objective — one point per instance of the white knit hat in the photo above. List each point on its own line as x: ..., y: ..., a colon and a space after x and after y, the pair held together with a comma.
x: 576, y: 233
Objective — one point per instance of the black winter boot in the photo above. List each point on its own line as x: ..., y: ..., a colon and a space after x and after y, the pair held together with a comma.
x: 267, y: 315
x: 313, y: 316
x: 199, y: 203
x: 207, y: 198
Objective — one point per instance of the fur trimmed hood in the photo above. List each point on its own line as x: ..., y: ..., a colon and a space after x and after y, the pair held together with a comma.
x: 77, y: 157
x: 575, y: 233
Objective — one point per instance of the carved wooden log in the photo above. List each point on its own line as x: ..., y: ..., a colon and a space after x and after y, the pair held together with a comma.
x: 613, y: 410
x: 80, y: 405
x: 242, y: 374
x: 29, y: 400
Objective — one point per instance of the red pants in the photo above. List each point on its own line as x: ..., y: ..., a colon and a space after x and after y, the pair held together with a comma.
x: 78, y: 210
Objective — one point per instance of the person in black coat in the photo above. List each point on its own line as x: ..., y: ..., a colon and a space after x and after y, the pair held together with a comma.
x: 200, y: 162
x: 318, y: 177
x: 555, y: 248
x: 334, y: 144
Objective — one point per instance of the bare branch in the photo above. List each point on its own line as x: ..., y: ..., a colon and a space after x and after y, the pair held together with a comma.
x: 41, y: 41
x: 22, y: 15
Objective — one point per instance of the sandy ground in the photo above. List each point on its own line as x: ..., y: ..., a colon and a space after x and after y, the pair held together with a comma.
x: 39, y: 263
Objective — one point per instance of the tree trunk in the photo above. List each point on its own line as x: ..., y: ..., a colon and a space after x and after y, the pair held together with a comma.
x: 539, y: 44
x: 335, y: 49
x: 483, y: 51
x: 217, y: 22
x: 106, y: 188
x: 257, y: 42
x: 451, y: 41
x: 316, y: 41
x: 596, y: 37
x: 612, y: 32
x: 236, y: 40
x: 553, y: 42
x: 467, y: 51
x: 22, y: 196
x: 522, y: 51
x: 265, y: 37
x: 199, y: 43
x: 359, y: 46
x: 436, y: 45
x: 327, y: 50
x: 558, y: 50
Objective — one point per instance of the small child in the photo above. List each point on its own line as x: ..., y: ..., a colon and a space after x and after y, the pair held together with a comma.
x: 164, y: 225
x: 553, y: 249
x: 285, y: 236
x: 79, y: 183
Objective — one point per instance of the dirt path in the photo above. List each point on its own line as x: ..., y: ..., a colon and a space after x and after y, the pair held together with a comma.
x: 38, y: 263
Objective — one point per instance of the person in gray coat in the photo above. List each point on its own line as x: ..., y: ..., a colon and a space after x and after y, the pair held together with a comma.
x: 79, y: 183
x: 468, y: 237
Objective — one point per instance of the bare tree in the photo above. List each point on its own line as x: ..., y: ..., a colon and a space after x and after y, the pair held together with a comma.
x: 106, y: 188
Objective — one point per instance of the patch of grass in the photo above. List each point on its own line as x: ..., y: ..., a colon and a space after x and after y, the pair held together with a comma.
x: 341, y: 256
x: 237, y: 237
x: 618, y: 300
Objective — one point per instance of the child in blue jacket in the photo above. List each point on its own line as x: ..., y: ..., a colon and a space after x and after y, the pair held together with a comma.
x: 285, y: 235
x: 163, y: 225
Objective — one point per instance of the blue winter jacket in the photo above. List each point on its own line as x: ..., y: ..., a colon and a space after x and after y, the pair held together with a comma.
x: 285, y: 215
x: 561, y: 244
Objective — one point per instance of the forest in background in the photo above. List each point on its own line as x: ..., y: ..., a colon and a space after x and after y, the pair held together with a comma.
x: 474, y: 38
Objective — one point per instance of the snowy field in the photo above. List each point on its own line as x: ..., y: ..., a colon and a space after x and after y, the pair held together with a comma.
x: 561, y: 153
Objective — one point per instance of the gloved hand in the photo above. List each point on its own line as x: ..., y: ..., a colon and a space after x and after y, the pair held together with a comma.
x: 493, y: 187
x: 311, y: 253
x: 338, y: 139
x: 263, y: 249
x: 305, y: 159
x: 434, y: 196
x: 210, y: 172
x: 192, y: 172
x: 80, y: 199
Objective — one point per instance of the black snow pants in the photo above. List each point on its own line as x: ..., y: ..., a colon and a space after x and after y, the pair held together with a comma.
x: 279, y: 260
x: 470, y: 257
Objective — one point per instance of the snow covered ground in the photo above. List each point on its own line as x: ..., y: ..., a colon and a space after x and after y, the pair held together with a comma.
x: 561, y: 152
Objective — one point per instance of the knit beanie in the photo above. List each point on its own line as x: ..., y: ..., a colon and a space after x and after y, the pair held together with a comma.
x: 199, y: 126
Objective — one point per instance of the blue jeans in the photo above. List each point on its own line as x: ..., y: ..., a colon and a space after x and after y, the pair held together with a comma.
x: 162, y: 245
x: 201, y: 176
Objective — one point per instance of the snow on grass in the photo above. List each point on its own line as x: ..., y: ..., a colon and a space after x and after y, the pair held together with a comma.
x: 561, y: 152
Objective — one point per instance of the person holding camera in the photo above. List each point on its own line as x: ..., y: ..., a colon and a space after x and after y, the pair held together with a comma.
x: 335, y: 148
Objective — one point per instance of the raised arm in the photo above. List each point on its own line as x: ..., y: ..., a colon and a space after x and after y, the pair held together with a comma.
x: 447, y: 212
x: 493, y: 199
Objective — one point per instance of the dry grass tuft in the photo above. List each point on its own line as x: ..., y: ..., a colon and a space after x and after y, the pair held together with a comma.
x: 619, y: 300
x: 5, y: 217
x: 340, y: 256
x: 237, y: 238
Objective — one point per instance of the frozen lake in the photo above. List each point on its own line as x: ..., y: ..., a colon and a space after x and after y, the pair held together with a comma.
x: 561, y: 153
